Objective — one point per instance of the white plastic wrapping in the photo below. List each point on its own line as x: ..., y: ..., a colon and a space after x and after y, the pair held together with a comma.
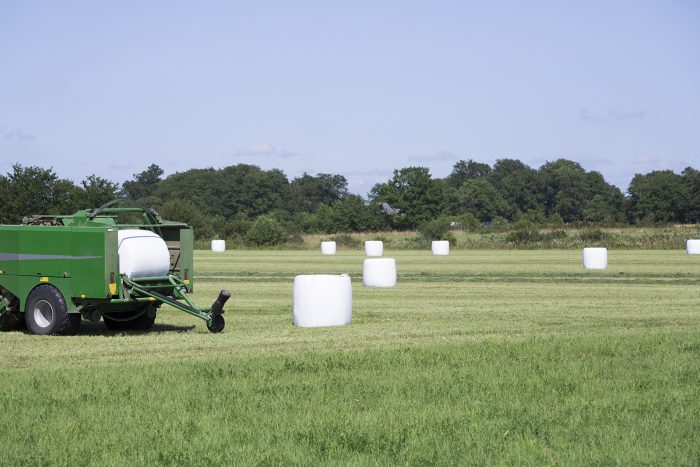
x: 692, y: 247
x: 441, y: 247
x: 142, y: 253
x: 322, y: 300
x: 328, y: 248
x: 379, y: 272
x: 595, y: 258
x: 218, y: 246
x: 374, y: 248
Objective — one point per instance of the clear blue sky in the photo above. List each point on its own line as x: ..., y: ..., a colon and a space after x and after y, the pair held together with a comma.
x: 358, y: 88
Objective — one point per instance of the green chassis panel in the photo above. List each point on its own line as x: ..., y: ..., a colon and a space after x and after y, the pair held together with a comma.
x: 79, y: 258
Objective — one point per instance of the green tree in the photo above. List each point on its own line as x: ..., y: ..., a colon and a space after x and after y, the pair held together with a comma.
x: 186, y: 211
x: 692, y: 182
x: 518, y: 184
x: 266, y: 231
x: 33, y: 190
x: 307, y: 192
x: 578, y: 195
x: 605, y: 203
x: 658, y: 197
x: 353, y: 214
x: 467, y: 170
x: 565, y: 189
x: 481, y: 198
x: 237, y: 190
x: 415, y: 193
x: 143, y: 184
x: 436, y: 229
x: 97, y: 191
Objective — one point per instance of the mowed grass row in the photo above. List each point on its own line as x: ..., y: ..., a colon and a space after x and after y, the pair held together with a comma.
x: 460, y: 265
x: 443, y: 369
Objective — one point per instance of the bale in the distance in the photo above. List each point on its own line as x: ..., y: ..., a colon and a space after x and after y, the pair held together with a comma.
x: 595, y: 258
x: 379, y: 272
x: 440, y: 247
x: 218, y: 246
x: 692, y: 247
x: 374, y: 248
x: 322, y: 300
x: 328, y: 248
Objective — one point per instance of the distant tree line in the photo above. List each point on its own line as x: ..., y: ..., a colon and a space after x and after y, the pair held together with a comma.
x: 227, y: 202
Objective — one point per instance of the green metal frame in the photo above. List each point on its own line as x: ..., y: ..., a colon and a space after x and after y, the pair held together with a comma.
x: 77, y: 254
x: 149, y: 293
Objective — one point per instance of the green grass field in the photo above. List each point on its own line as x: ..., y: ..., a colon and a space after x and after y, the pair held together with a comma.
x: 481, y: 357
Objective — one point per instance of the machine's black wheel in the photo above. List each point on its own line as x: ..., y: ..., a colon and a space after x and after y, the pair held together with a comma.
x: 145, y: 317
x: 217, y: 324
x: 45, y: 311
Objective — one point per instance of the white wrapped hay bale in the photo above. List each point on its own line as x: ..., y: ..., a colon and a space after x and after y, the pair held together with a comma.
x: 218, y: 246
x: 142, y: 253
x: 595, y: 258
x: 322, y: 300
x: 441, y: 247
x: 692, y: 247
x: 328, y: 248
x: 374, y: 248
x: 379, y: 272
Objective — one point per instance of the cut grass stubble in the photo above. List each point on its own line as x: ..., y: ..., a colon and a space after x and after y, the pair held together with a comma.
x: 573, y: 367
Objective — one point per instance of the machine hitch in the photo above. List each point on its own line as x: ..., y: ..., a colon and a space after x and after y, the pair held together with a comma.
x: 212, y: 316
x: 217, y: 307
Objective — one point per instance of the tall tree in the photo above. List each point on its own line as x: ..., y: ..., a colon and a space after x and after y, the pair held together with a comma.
x: 692, y: 182
x: 97, y: 191
x: 565, y: 189
x: 412, y: 190
x: 144, y: 183
x: 658, y: 197
x: 606, y: 203
x: 480, y: 198
x: 307, y: 192
x: 520, y: 185
x: 467, y: 170
x: 576, y: 195
x: 33, y: 190
x: 243, y: 190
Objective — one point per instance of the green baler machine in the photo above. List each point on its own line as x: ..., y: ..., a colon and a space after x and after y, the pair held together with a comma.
x: 58, y: 270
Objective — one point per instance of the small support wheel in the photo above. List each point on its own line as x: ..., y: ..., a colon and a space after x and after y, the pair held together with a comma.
x: 217, y: 324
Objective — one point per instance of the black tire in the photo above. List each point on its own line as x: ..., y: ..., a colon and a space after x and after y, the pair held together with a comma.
x: 217, y: 324
x: 143, y: 321
x: 45, y: 311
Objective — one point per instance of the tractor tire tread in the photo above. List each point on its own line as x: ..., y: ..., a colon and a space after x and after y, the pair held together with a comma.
x: 63, y: 322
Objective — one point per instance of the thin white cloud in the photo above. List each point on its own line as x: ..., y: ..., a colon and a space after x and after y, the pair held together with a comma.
x: 366, y: 173
x: 121, y: 166
x: 263, y: 150
x: 16, y: 134
x: 649, y: 161
x: 437, y: 156
x: 606, y: 114
x: 587, y: 160
x: 585, y: 116
x: 617, y: 114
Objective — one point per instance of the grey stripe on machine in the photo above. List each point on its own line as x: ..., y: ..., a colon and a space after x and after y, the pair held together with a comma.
x: 32, y: 257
